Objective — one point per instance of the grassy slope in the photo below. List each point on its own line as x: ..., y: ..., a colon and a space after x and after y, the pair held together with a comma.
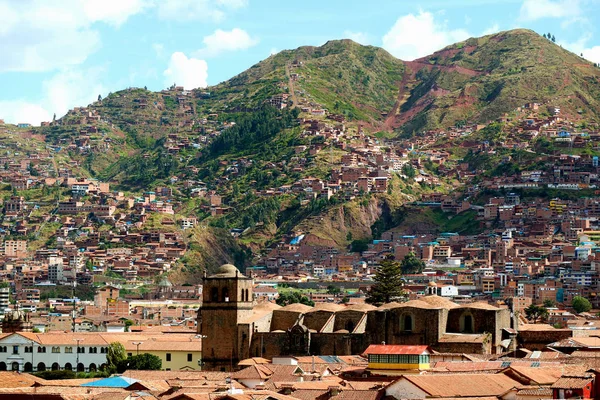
x: 509, y: 69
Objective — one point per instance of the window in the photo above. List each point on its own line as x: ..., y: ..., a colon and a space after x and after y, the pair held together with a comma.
x: 189, y: 357
x: 214, y: 294
x: 93, y: 350
x: 81, y: 350
x: 68, y: 349
x: 225, y: 294
x: 28, y: 349
x: 168, y: 356
x: 41, y: 349
x: 2, y: 349
x: 468, y: 324
x: 56, y: 349
x: 15, y: 349
x: 408, y: 323
x: 129, y: 354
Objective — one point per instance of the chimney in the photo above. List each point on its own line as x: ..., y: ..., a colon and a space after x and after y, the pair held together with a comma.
x: 287, y: 389
x: 333, y: 390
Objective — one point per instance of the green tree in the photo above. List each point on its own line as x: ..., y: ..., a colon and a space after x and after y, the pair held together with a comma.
x: 535, y: 313
x: 115, y: 356
x: 409, y: 171
x: 549, y: 303
x: 144, y: 361
x: 411, y: 264
x: 293, y: 297
x: 388, y: 282
x: 581, y: 304
x: 333, y: 290
x: 359, y: 245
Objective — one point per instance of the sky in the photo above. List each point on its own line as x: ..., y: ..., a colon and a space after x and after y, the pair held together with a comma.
x: 58, y: 54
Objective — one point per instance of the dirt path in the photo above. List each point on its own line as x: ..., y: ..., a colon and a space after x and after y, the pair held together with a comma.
x: 291, y: 86
x: 390, y: 121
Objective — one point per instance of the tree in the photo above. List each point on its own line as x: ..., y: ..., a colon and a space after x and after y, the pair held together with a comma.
x: 549, y: 303
x: 115, y: 356
x: 553, y: 39
x: 99, y: 97
x: 411, y: 264
x: 293, y: 297
x: 549, y: 35
x: 544, y: 35
x: 408, y: 170
x: 144, y: 361
x: 581, y: 304
x: 535, y: 313
x: 333, y: 290
x: 359, y: 245
x: 388, y: 282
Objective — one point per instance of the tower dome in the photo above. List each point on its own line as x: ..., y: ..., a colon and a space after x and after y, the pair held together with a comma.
x: 227, y: 271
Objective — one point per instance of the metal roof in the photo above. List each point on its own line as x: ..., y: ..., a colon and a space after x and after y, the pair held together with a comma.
x: 396, y: 349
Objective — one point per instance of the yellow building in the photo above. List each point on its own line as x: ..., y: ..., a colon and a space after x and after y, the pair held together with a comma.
x: 176, y: 353
x: 397, y: 357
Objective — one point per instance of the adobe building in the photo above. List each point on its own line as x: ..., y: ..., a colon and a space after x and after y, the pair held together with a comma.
x: 235, y: 328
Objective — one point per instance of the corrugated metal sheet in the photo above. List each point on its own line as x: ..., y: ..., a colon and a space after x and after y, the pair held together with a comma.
x: 396, y: 349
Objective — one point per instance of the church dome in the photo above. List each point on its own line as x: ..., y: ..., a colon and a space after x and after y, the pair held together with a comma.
x: 227, y: 271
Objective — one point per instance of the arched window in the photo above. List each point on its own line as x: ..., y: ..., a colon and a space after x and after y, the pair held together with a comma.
x: 350, y: 326
x: 92, y: 367
x: 55, y: 366
x: 247, y: 296
x: 80, y: 367
x: 2, y: 366
x: 214, y: 294
x: 15, y: 366
x: 41, y: 367
x: 242, y: 297
x: 55, y: 349
x: 41, y: 349
x: 68, y: 349
x: 408, y: 323
x: 225, y: 294
x: 68, y: 367
x: 467, y: 324
x: 28, y: 367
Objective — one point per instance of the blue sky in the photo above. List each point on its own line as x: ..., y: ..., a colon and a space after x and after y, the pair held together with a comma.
x: 63, y: 53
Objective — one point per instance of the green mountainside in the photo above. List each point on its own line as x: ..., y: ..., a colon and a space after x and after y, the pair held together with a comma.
x: 229, y: 141
x: 480, y: 79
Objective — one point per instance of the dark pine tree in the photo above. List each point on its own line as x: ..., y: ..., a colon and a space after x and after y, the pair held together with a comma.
x: 388, y: 282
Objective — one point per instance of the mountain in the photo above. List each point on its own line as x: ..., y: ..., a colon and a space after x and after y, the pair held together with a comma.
x: 480, y: 79
x: 224, y: 140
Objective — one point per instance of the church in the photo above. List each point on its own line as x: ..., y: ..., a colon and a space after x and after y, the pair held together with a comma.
x: 234, y: 328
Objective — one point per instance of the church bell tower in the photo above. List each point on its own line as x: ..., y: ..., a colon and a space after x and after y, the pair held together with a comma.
x: 227, y: 299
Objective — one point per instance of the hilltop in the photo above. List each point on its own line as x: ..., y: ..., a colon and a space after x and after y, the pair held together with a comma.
x: 330, y: 141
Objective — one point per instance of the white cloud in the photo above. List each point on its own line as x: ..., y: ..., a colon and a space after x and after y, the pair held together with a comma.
x: 159, y: 49
x: 63, y: 91
x: 16, y: 111
x: 580, y: 46
x: 532, y: 10
x: 358, y: 37
x: 592, y: 54
x: 204, y: 10
x: 190, y: 73
x: 492, y: 29
x: 222, y: 41
x: 414, y: 36
x: 38, y: 35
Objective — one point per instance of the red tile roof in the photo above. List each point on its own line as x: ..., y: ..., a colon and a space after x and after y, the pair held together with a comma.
x: 396, y: 349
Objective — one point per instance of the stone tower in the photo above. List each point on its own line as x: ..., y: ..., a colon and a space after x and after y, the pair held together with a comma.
x: 227, y: 300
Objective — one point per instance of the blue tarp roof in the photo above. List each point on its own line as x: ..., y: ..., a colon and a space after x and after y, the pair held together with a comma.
x: 113, y: 381
x: 297, y: 239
